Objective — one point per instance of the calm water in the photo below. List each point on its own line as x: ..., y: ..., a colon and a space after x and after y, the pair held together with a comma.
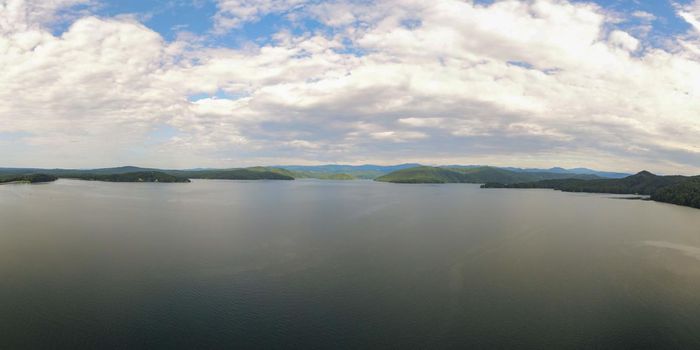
x: 314, y: 264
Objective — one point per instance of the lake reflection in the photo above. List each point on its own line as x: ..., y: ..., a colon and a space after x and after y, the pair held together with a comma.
x: 357, y: 264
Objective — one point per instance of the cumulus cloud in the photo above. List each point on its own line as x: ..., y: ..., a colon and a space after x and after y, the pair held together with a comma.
x: 623, y: 41
x: 18, y: 15
x: 536, y: 83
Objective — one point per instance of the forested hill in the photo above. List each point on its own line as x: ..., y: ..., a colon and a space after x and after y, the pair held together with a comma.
x: 424, y: 174
x: 140, y: 176
x: 136, y: 174
x: 31, y: 178
x: 681, y: 190
x: 343, y: 172
x: 304, y: 174
x: 234, y: 174
x: 685, y: 193
x: 644, y: 183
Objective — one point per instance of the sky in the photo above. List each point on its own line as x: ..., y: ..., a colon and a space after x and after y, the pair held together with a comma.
x: 606, y: 84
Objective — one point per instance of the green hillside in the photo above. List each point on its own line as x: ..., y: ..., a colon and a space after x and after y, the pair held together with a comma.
x: 31, y: 178
x: 426, y: 174
x: 643, y: 183
x: 680, y: 190
x: 686, y: 193
x: 141, y: 176
x: 329, y: 171
x: 423, y: 174
x: 126, y: 174
x: 477, y: 174
x: 343, y: 177
x: 322, y: 175
x: 258, y: 173
x: 492, y: 174
x: 279, y: 171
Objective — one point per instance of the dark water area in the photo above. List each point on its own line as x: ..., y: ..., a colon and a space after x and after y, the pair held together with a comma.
x: 355, y: 264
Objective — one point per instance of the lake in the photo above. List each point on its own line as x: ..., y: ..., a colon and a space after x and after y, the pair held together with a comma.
x: 331, y: 264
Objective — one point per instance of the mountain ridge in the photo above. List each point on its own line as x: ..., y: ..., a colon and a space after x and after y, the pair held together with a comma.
x: 323, y: 171
x: 426, y: 174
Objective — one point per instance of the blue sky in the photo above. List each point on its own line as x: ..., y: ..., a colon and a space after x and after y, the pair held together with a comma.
x: 220, y: 83
x: 196, y: 16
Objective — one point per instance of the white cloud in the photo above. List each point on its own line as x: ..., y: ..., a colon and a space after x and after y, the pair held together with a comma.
x: 424, y: 122
x: 690, y: 13
x: 19, y: 15
x: 623, y: 41
x: 234, y: 13
x: 643, y: 15
x: 398, y: 136
x: 537, y: 83
x: 303, y: 144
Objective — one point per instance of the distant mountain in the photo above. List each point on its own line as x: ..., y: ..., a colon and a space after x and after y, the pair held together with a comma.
x: 340, y: 168
x: 424, y: 174
x: 367, y: 171
x: 119, y: 170
x: 580, y: 171
x: 326, y: 172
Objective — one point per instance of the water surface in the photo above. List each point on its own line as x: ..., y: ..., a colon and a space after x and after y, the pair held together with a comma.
x: 356, y: 264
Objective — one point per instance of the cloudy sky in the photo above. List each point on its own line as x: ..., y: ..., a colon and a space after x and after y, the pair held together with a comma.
x: 606, y: 84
